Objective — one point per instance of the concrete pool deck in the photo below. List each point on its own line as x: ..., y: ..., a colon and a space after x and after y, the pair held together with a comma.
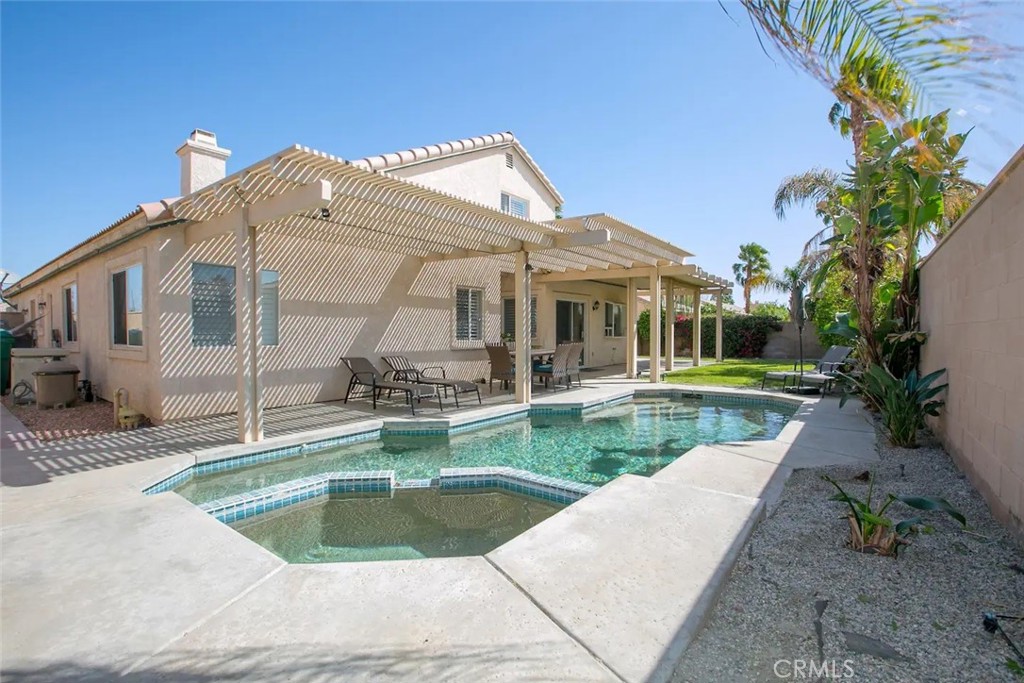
x: 100, y: 581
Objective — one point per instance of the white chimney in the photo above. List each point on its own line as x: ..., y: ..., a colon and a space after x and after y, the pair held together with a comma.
x: 202, y: 161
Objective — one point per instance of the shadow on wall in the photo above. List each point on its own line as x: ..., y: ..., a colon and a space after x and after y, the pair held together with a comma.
x: 335, y: 300
x: 464, y: 662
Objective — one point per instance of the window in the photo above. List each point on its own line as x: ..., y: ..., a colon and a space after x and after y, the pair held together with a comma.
x: 515, y: 205
x: 71, y: 313
x: 269, y: 300
x: 469, y: 314
x: 213, y: 305
x: 614, y: 320
x: 126, y: 304
x: 508, y: 317
x: 509, y: 160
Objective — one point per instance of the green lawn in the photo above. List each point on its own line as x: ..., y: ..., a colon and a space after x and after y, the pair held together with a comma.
x: 745, y: 372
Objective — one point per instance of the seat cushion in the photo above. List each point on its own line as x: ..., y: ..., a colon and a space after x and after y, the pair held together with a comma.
x: 545, y: 367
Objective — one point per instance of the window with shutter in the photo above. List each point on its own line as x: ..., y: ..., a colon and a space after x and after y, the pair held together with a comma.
x: 517, y: 206
x: 508, y: 317
x: 269, y: 302
x: 469, y: 314
x: 213, y: 305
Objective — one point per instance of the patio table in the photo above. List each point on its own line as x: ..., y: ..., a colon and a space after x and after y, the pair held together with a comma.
x: 536, y: 353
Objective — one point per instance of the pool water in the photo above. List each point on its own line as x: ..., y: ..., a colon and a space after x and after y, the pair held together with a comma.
x: 640, y: 437
x: 413, y: 524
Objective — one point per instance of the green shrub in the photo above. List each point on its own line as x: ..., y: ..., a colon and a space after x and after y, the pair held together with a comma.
x: 743, y: 336
x: 771, y: 310
x: 872, y: 532
x: 904, y: 403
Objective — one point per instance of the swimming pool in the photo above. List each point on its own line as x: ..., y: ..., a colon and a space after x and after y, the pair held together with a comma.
x: 640, y: 436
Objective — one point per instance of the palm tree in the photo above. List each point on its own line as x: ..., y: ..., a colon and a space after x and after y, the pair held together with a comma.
x: 753, y: 270
x: 793, y: 282
x: 907, y: 186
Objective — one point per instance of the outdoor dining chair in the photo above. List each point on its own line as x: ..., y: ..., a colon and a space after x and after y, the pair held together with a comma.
x: 502, y: 368
x: 558, y: 369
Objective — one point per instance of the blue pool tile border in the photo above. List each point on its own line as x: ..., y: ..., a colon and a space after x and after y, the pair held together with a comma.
x: 763, y: 401
x: 517, y: 481
x: 236, y: 461
x: 245, y: 505
x: 382, y: 482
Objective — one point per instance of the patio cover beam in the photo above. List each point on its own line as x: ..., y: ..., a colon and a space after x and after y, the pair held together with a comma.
x: 523, y: 367
x: 247, y: 315
x: 631, y: 316
x: 655, y: 364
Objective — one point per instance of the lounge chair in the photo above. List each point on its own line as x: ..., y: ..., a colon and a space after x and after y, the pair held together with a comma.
x: 365, y: 375
x: 502, y: 368
x: 823, y: 373
x: 404, y: 371
x: 558, y: 369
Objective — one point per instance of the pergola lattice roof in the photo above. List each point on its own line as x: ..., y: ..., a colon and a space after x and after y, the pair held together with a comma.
x: 377, y: 210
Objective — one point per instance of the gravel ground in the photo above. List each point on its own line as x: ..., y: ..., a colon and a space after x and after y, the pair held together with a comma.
x: 927, y: 605
x: 65, y: 423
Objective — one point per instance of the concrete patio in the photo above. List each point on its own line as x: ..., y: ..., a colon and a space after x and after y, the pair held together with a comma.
x: 101, y: 581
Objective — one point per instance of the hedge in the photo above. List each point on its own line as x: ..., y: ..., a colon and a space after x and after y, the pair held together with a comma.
x: 743, y: 336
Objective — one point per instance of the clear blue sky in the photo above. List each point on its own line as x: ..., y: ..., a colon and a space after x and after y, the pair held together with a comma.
x: 668, y: 116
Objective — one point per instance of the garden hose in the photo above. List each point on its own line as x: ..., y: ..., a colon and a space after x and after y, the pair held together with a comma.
x: 991, y: 623
x: 21, y: 391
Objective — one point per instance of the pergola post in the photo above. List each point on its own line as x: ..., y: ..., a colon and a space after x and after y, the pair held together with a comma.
x: 250, y: 408
x: 696, y: 327
x: 523, y: 358
x: 631, y: 328
x: 655, y: 326
x: 718, y: 326
x: 670, y: 328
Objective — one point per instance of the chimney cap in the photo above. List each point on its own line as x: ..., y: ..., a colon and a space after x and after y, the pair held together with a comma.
x: 204, y: 141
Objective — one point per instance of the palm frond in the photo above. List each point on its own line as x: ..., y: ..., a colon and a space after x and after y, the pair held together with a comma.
x: 910, y: 47
x: 817, y: 186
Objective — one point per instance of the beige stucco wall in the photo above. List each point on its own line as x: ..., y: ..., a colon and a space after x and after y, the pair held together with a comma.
x: 786, y: 342
x: 600, y: 350
x: 108, y: 368
x: 972, y: 307
x: 482, y: 177
x: 334, y: 300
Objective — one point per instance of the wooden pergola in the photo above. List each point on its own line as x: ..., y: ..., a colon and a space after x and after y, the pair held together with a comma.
x: 305, y: 193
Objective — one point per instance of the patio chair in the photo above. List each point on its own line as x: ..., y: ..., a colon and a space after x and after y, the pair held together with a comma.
x: 364, y: 374
x: 502, y: 368
x: 823, y: 373
x: 558, y: 369
x: 575, y: 364
x: 404, y: 371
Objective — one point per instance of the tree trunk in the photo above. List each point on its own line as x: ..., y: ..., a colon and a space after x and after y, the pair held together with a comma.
x: 857, y: 129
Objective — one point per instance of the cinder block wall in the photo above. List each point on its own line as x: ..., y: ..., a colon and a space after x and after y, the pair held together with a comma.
x: 972, y: 307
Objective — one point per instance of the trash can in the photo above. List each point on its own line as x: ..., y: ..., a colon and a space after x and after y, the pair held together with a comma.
x: 6, y: 344
x: 56, y: 384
